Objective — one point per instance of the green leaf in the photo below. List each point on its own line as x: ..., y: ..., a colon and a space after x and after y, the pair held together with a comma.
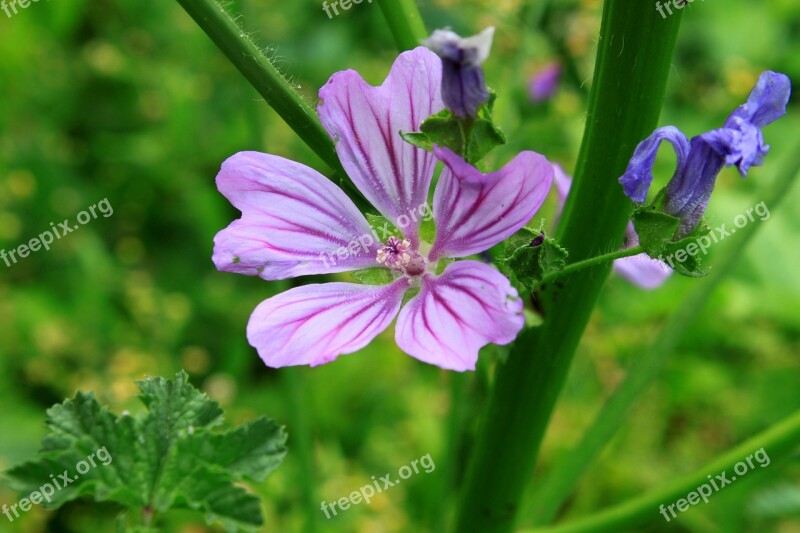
x: 484, y: 136
x: 655, y: 230
x: 173, y: 455
x: 418, y: 139
x: 684, y: 256
x: 530, y: 256
x: 470, y: 138
x: 381, y: 226
x: 446, y: 130
x: 373, y: 276
x: 427, y: 230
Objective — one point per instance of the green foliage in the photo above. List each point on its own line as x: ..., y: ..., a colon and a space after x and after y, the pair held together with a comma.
x: 530, y: 256
x: 656, y: 231
x: 373, y: 276
x: 471, y: 138
x: 172, y: 456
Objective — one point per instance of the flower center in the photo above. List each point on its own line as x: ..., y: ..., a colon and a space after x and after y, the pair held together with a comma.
x: 398, y: 255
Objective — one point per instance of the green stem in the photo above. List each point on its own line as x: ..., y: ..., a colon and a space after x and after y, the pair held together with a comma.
x: 232, y: 40
x: 634, y: 58
x: 301, y: 442
x: 594, y: 261
x: 557, y: 485
x: 779, y: 442
x: 405, y: 22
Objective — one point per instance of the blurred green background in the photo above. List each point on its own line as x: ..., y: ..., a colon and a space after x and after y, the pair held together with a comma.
x: 130, y: 101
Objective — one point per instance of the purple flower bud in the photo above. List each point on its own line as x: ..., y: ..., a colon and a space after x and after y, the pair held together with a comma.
x: 739, y: 142
x: 544, y: 82
x: 463, y: 84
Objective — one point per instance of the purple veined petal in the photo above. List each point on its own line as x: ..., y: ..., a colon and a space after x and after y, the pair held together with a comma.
x: 314, y: 324
x: 457, y: 313
x: 475, y: 211
x: 767, y: 101
x: 294, y: 221
x: 639, y: 174
x: 641, y: 270
x: 365, y: 123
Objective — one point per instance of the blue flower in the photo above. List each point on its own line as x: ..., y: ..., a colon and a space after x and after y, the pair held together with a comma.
x: 739, y: 142
x: 463, y: 83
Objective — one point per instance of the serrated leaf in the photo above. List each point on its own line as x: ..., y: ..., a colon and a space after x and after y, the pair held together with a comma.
x: 484, y: 136
x: 655, y: 230
x: 445, y: 130
x: 173, y: 455
x: 534, y: 257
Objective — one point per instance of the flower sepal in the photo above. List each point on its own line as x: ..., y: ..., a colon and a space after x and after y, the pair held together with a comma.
x: 530, y: 256
x: 373, y: 276
x: 657, y: 233
x: 471, y: 138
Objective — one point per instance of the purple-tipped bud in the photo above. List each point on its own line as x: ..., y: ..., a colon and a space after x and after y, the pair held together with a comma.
x: 463, y: 83
x: 740, y: 143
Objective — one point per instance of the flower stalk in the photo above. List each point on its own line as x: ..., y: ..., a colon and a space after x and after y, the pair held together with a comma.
x: 634, y: 58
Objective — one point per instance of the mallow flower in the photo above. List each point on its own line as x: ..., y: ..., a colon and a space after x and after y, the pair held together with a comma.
x: 463, y: 83
x: 294, y: 219
x: 641, y: 269
x: 739, y: 142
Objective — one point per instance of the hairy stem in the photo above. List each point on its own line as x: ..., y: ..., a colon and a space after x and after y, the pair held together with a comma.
x: 594, y: 261
x: 232, y: 40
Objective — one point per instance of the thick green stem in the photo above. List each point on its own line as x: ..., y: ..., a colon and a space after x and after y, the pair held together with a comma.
x: 594, y: 261
x: 634, y: 58
x: 779, y: 442
x: 562, y: 478
x: 405, y: 22
x: 232, y: 40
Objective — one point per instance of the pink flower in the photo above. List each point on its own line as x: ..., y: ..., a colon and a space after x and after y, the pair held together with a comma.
x: 641, y: 270
x: 296, y: 222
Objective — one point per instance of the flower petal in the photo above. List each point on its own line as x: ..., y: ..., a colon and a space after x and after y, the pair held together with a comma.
x: 641, y: 270
x: 639, y: 174
x: 475, y: 211
x: 314, y: 324
x: 688, y: 192
x: 365, y: 122
x: 455, y: 314
x: 767, y: 101
x: 294, y: 221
